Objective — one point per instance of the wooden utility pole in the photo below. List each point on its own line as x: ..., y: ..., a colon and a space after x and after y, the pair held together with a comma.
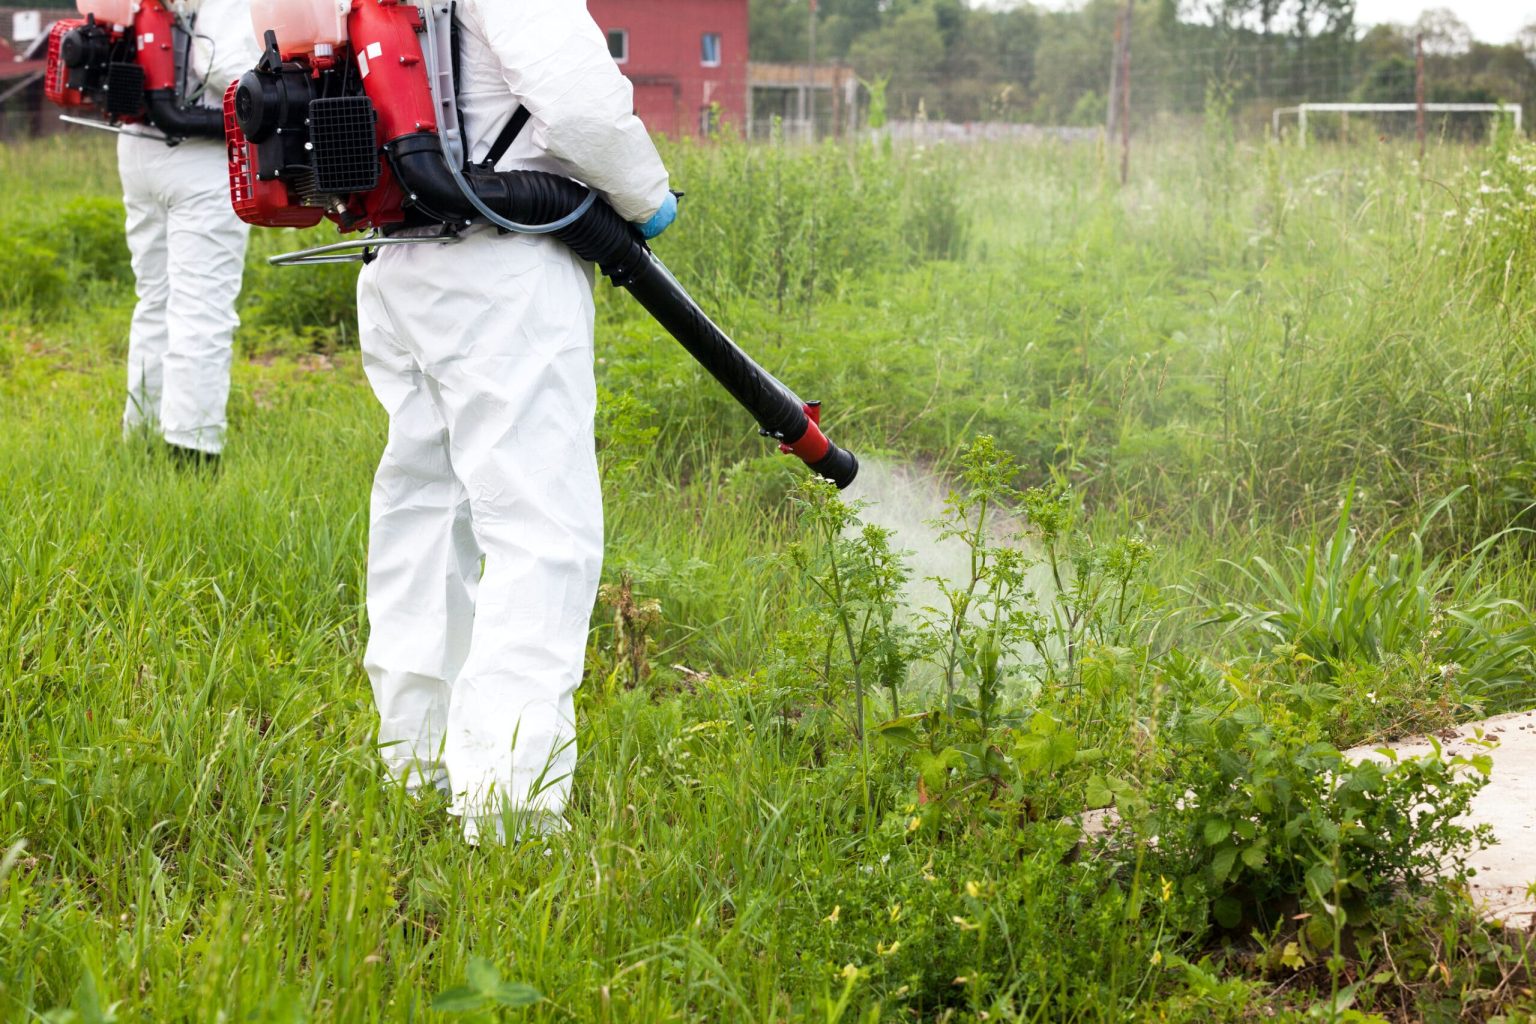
x: 1125, y: 92
x: 1113, y: 106
x: 1418, y: 89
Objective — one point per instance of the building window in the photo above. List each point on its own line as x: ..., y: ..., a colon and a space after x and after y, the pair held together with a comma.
x: 709, y: 50
x: 618, y: 45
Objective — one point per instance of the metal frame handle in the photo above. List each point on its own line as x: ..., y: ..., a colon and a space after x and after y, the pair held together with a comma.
x: 353, y: 250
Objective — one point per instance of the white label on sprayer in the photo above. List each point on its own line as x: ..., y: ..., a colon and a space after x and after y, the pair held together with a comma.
x: 26, y: 26
x: 374, y: 51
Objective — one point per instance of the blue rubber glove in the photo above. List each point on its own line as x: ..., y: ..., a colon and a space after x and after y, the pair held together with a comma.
x: 662, y: 219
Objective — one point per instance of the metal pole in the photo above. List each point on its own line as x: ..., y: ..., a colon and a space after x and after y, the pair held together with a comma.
x: 810, y: 67
x: 1301, y: 124
x: 1418, y: 89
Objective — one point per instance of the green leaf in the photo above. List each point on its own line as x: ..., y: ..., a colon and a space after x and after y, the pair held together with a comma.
x: 1253, y: 857
x: 1047, y: 751
x: 1319, y: 932
x: 1227, y: 911
x: 1320, y: 880
x: 1043, y: 724
x: 461, y: 999
x: 515, y: 993
x: 1098, y: 794
x: 935, y: 768
x: 900, y: 736
x: 1216, y: 830
x: 483, y: 975
x: 1223, y: 862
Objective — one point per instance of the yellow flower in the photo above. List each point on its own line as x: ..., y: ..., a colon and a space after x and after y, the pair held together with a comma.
x: 895, y: 912
x: 837, y: 912
x: 1167, y: 888
x: 915, y: 824
x: 849, y: 972
x: 1157, y: 957
x: 885, y: 950
x: 973, y: 890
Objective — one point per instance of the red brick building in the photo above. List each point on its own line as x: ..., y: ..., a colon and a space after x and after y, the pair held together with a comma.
x: 686, y: 58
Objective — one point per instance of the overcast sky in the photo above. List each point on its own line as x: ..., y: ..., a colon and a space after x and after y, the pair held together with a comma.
x: 1493, y: 21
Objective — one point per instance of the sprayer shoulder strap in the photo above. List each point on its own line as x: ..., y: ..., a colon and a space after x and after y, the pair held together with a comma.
x: 514, y: 127
x: 508, y: 135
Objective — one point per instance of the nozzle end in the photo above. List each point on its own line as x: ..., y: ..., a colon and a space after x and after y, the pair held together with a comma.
x: 838, y: 465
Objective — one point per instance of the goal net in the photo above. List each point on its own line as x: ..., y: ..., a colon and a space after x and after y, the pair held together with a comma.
x: 1463, y: 121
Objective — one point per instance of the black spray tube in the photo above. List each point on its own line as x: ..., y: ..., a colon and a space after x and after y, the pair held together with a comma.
x: 605, y: 238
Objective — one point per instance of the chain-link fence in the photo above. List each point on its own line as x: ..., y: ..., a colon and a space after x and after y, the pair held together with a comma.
x: 943, y: 69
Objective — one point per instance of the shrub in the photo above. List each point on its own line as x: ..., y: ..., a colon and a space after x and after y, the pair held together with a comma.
x: 1258, y: 818
x: 31, y: 280
x: 92, y: 238
x: 317, y: 306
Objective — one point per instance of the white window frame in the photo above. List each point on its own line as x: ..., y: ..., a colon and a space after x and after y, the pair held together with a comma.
x: 622, y: 33
x: 719, y: 47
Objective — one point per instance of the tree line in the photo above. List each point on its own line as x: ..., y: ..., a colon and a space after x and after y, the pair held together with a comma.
x: 963, y: 61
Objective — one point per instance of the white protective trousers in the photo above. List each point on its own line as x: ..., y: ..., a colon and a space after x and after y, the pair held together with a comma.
x: 491, y: 397
x: 485, y: 547
x: 188, y: 251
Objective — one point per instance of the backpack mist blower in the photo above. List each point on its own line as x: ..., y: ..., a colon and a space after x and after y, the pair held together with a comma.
x: 127, y: 62
x: 352, y: 115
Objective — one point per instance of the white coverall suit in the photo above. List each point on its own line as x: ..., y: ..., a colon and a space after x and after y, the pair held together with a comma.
x: 188, y: 250
x: 482, y: 354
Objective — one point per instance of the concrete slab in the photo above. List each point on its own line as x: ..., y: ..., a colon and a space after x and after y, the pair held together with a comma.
x: 1506, y: 870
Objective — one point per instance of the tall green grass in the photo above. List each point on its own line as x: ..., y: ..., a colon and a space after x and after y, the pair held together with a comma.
x: 192, y: 823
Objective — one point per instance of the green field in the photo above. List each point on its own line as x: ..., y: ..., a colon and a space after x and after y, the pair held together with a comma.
x: 1264, y: 416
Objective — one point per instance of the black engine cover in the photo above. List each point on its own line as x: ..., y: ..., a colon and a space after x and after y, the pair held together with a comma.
x: 87, y: 53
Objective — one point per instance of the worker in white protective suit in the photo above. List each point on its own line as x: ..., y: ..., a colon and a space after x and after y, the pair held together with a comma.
x: 188, y: 251
x: 487, y: 531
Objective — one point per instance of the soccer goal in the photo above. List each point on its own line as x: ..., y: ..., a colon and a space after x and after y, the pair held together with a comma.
x: 1512, y: 110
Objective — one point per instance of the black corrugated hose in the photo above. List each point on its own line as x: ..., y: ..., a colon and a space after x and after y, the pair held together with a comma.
x: 180, y: 122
